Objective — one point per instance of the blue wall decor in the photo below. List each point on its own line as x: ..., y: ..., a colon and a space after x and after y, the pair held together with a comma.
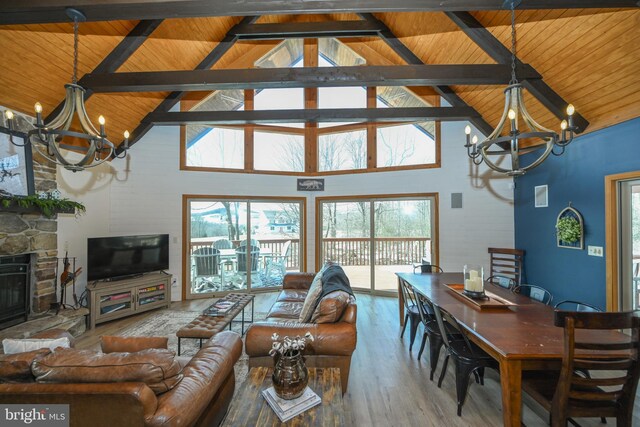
x: 576, y: 176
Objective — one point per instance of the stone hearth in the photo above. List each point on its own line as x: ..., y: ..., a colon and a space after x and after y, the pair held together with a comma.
x: 22, y: 233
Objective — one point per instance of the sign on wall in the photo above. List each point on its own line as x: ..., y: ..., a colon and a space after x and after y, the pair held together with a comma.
x: 310, y: 184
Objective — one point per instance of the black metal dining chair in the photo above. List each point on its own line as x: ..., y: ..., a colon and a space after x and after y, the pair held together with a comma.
x: 467, y: 357
x: 502, y: 281
x: 427, y: 268
x: 568, y: 305
x: 410, y: 312
x: 534, y: 292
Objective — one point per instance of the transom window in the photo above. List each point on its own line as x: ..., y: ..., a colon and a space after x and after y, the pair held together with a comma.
x: 311, y: 148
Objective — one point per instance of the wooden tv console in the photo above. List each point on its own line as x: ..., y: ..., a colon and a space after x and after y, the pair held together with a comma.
x: 122, y: 298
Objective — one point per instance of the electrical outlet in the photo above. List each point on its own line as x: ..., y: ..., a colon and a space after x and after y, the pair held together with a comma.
x: 595, y: 251
x: 174, y: 283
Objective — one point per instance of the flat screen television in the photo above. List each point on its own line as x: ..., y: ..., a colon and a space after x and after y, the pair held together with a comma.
x: 118, y: 257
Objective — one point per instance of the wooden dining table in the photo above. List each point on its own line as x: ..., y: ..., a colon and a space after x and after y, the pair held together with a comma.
x: 521, y: 337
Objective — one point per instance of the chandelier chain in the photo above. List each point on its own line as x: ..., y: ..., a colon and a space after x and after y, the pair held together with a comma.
x: 74, y: 78
x: 514, y: 80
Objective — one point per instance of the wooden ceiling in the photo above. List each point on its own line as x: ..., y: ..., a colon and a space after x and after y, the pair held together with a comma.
x: 588, y: 56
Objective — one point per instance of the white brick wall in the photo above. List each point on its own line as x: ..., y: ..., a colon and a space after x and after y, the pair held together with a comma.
x: 148, y: 199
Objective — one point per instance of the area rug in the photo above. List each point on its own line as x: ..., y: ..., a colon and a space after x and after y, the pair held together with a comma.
x: 167, y: 322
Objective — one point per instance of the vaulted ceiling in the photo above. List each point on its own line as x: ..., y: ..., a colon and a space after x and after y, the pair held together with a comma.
x: 589, y: 57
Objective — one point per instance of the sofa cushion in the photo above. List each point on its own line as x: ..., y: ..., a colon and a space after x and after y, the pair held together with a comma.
x: 112, y: 344
x: 331, y: 307
x: 12, y: 346
x: 285, y: 310
x: 312, y: 297
x: 157, y: 368
x: 298, y: 295
x: 17, y: 367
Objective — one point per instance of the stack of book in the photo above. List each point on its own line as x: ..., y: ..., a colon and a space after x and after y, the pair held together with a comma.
x: 220, y: 308
x: 287, y: 409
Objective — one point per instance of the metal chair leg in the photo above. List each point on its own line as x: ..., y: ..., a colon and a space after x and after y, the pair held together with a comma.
x: 444, y: 370
x: 406, y: 317
x: 424, y: 341
x: 435, y: 344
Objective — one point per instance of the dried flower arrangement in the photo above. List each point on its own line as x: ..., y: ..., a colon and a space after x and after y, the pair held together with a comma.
x: 289, y: 346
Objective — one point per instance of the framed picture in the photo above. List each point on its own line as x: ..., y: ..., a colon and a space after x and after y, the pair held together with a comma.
x: 16, y: 164
x: 541, y: 193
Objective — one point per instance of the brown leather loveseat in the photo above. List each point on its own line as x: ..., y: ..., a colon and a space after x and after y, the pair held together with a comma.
x: 200, y: 397
x: 334, y: 342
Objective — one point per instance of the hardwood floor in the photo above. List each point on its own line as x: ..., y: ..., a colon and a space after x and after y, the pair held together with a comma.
x: 388, y: 386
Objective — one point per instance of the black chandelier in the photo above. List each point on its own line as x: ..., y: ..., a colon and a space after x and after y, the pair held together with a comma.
x: 49, y: 136
x: 509, y: 142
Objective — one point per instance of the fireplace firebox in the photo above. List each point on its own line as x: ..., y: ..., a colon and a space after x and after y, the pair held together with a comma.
x: 15, y: 287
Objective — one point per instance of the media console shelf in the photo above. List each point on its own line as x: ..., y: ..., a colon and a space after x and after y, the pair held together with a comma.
x: 121, y: 298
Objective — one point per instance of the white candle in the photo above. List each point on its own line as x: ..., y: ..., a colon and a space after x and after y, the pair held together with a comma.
x: 473, y: 274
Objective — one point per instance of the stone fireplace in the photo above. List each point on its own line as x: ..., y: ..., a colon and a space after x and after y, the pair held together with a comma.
x: 34, y: 234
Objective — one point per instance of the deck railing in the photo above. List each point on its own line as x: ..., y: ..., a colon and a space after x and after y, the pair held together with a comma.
x: 275, y: 245
x: 387, y: 250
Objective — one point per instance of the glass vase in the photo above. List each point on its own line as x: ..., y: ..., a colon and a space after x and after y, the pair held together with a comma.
x: 290, y: 376
x: 474, y: 281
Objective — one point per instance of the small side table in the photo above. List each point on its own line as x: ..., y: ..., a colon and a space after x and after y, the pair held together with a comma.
x: 249, y: 407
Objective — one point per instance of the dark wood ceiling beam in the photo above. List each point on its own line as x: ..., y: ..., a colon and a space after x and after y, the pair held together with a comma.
x: 419, y: 114
x: 269, y: 78
x: 307, y: 30
x: 118, y: 56
x: 174, y: 97
x: 409, y: 57
x: 502, y: 55
x: 41, y: 11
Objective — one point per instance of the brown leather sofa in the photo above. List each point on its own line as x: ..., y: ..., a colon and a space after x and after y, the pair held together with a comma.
x: 334, y: 342
x: 200, y: 398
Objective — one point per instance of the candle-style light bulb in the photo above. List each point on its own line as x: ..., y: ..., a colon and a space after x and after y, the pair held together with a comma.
x: 126, y: 139
x: 570, y: 109
x: 563, y: 124
x: 38, y: 107
x: 101, y: 120
x: 511, y: 114
x: 126, y: 134
x: 8, y: 114
x: 474, y: 140
x: 467, y: 130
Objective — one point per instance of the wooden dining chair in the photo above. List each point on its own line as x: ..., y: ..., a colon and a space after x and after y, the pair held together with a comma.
x: 467, y: 357
x: 410, y: 312
x: 502, y: 281
x: 534, y: 292
x: 568, y: 305
x: 507, y: 262
x: 568, y: 394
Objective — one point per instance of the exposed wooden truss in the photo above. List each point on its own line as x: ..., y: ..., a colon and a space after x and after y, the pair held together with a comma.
x: 270, y: 78
x: 117, y: 57
x: 370, y: 115
x: 307, y: 29
x: 494, y: 48
x: 410, y: 58
x: 39, y: 11
x: 174, y: 97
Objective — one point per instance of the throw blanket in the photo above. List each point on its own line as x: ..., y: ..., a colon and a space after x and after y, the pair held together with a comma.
x: 333, y: 279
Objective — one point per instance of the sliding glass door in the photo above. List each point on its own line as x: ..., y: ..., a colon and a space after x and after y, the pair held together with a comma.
x: 238, y: 244
x: 630, y: 244
x: 375, y: 237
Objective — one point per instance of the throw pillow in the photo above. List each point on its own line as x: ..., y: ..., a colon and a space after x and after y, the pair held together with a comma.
x: 157, y: 368
x: 312, y: 297
x: 331, y: 307
x: 17, y: 367
x: 13, y: 346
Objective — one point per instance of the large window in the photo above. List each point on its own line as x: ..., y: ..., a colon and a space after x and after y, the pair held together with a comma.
x: 312, y: 148
x: 375, y: 237
x: 238, y: 244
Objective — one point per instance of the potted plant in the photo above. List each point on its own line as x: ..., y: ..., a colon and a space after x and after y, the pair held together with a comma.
x: 290, y: 375
x: 568, y: 229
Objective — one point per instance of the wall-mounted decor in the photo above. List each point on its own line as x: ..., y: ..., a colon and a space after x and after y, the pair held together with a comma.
x: 570, y: 229
x: 16, y: 164
x: 310, y: 184
x: 541, y: 195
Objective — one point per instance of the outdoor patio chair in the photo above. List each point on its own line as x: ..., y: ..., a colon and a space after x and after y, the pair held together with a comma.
x: 207, y: 264
x: 276, y: 264
x: 241, y: 255
x: 223, y: 244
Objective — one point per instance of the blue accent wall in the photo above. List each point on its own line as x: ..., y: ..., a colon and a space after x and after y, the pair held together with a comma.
x: 578, y: 177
